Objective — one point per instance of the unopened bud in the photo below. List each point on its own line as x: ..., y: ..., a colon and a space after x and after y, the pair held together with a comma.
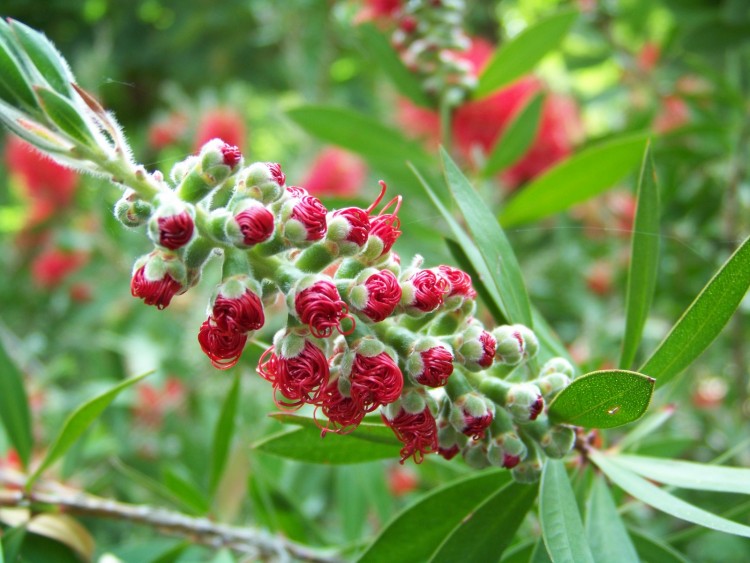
x: 557, y: 365
x: 558, y: 441
x: 506, y: 450
x: 263, y: 181
x: 525, y: 402
x: 471, y: 414
x: 132, y: 211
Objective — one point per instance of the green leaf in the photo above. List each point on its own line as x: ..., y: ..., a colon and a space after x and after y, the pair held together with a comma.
x: 654, y: 550
x: 78, y: 422
x: 483, y: 274
x: 65, y: 116
x: 584, y: 175
x: 491, y: 242
x: 144, y: 481
x: 519, y: 55
x: 12, y: 540
x: 646, y: 427
x: 417, y: 531
x: 603, y: 399
x: 367, y: 443
x: 660, y: 499
x: 380, y: 49
x: 704, y: 319
x: 347, y: 129
x: 607, y: 536
x: 14, y: 407
x: 45, y: 57
x: 562, y: 528
x: 688, y: 475
x: 223, y: 433
x: 15, y: 88
x: 644, y: 260
x: 517, y: 137
x: 371, y: 431
x: 489, y: 528
x: 185, y: 490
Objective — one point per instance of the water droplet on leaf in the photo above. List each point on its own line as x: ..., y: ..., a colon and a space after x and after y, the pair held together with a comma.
x: 613, y: 410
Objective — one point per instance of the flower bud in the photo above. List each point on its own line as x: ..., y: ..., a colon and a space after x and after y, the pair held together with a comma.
x: 172, y: 225
x: 384, y: 231
x: 551, y: 384
x: 415, y: 429
x: 558, y: 441
x: 303, y: 217
x: 250, y: 224
x: 263, y: 181
x: 475, y: 454
x: 423, y: 293
x: 223, y: 347
x: 132, y: 211
x: 317, y: 303
x: 475, y: 348
x: 374, y: 376
x: 377, y: 296
x: 431, y: 363
x: 506, y: 450
x: 157, y: 278
x: 342, y: 410
x: 557, y: 365
x: 236, y: 307
x: 349, y: 229
x: 218, y: 161
x: 525, y: 402
x: 450, y: 442
x: 528, y: 470
x: 297, y: 368
x: 459, y: 287
x: 471, y: 414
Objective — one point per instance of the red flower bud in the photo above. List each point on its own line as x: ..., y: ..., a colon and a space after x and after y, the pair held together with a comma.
x: 238, y: 314
x: 342, y: 411
x: 320, y: 307
x: 385, y: 227
x: 488, y: 346
x: 471, y: 415
x: 223, y: 347
x: 232, y: 155
x: 300, y: 379
x: 175, y: 231
x: 358, y: 221
x: 157, y: 292
x: 256, y: 224
x: 383, y: 295
x: 375, y: 380
x: 459, y: 282
x: 310, y: 212
x: 434, y: 366
x: 428, y: 290
x: 275, y: 170
x: 417, y: 431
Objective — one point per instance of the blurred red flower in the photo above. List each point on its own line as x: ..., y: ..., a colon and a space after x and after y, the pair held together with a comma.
x: 53, y: 265
x: 223, y: 123
x: 167, y: 131
x: 336, y: 172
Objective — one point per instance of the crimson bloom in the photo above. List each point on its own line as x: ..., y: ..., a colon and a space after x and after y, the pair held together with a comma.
x: 308, y: 212
x: 175, y: 231
x: 427, y: 291
x: 301, y: 378
x: 417, y: 431
x: 383, y: 295
x: 53, y: 265
x: 223, y: 347
x: 342, y: 410
x: 157, y: 291
x: 321, y: 308
x: 238, y: 314
x: 255, y: 223
x: 375, y: 380
x: 433, y: 367
x: 357, y: 222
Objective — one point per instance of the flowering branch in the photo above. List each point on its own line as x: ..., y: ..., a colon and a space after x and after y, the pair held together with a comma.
x: 253, y: 542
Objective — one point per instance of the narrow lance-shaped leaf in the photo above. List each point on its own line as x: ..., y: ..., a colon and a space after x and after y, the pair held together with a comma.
x: 582, y: 176
x: 490, y: 528
x: 14, y: 407
x: 416, y: 532
x: 185, y: 490
x: 603, y: 399
x: 562, y: 528
x: 15, y: 88
x: 519, y: 55
x: 651, y: 548
x: 491, y: 242
x: 606, y: 532
x: 45, y: 57
x: 644, y: 260
x: 78, y: 422
x: 660, y: 499
x: 516, y: 138
x: 223, y: 433
x: 65, y: 116
x: 688, y: 475
x: 467, y: 246
x: 704, y: 319
x: 384, y: 54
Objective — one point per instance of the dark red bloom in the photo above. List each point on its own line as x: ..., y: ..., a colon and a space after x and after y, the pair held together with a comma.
x: 375, y: 381
x: 223, y: 347
x: 437, y: 365
x: 240, y: 314
x: 418, y: 433
x: 459, y: 282
x: 449, y: 453
x: 383, y: 295
x: 310, y: 212
x: 296, y: 191
x: 256, y: 224
x: 536, y: 408
x: 275, y: 169
x: 342, y: 411
x: 386, y: 228
x: 300, y: 379
x: 429, y: 290
x: 359, y: 224
x: 510, y: 461
x: 175, y: 231
x: 320, y: 307
x: 154, y: 292
x: 488, y: 346
x: 475, y: 426
x: 232, y: 155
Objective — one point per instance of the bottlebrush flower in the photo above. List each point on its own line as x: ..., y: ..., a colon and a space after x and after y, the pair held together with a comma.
x: 53, y: 265
x: 375, y: 380
x: 222, y: 123
x: 431, y: 362
x: 298, y: 370
x: 251, y: 224
x: 472, y: 414
x: 157, y: 278
x: 423, y: 292
x: 167, y: 131
x: 416, y: 429
x: 237, y: 308
x: 335, y: 173
x: 303, y: 216
x: 223, y: 347
x: 401, y: 481
x: 349, y: 228
x: 172, y: 226
x: 42, y: 178
x: 475, y: 348
x: 377, y: 296
x: 320, y: 307
x: 343, y: 411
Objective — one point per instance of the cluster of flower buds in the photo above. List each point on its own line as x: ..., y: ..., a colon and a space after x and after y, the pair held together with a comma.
x: 364, y: 332
x: 430, y: 37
